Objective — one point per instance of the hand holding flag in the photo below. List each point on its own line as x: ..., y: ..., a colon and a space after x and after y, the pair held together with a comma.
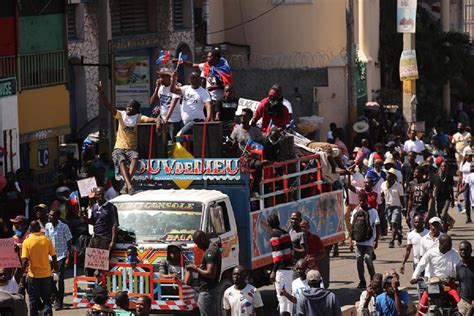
x: 163, y: 58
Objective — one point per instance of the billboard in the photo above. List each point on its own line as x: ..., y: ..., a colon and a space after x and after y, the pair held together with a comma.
x: 132, y: 80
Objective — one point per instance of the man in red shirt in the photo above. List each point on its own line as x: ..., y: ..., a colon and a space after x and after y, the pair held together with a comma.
x: 372, y: 196
x: 314, y: 246
x: 271, y: 110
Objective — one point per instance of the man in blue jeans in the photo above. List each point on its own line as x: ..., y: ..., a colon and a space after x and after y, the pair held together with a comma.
x: 35, y: 253
x: 208, y: 274
x: 362, y: 217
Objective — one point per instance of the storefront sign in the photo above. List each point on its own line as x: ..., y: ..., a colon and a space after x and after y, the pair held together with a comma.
x: 7, y: 87
x: 408, y: 65
x: 188, y: 169
x: 132, y: 80
x: 324, y: 212
x: 43, y: 153
x: 45, y: 133
x: 406, y: 16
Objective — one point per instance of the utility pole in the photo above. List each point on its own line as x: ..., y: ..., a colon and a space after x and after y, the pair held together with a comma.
x: 447, y: 84
x: 351, y: 66
x: 105, y: 34
x: 409, y: 86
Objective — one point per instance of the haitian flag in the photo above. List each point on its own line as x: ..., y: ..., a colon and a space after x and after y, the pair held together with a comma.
x: 163, y: 58
x: 253, y: 147
x: 74, y: 198
x: 221, y: 71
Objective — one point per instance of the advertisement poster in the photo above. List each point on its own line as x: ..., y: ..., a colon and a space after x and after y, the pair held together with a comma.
x: 406, y: 16
x: 325, y: 213
x: 408, y: 65
x: 132, y: 80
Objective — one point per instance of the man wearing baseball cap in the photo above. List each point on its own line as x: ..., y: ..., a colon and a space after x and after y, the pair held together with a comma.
x: 20, y: 228
x: 168, y: 107
x: 315, y: 300
x: 431, y: 239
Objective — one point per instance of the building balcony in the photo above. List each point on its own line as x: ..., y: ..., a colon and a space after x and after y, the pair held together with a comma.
x: 35, y: 70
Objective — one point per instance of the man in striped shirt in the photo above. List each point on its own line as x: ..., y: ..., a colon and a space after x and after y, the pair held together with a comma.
x: 282, y: 255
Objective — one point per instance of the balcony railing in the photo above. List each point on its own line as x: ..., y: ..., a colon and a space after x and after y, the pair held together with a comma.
x: 36, y: 70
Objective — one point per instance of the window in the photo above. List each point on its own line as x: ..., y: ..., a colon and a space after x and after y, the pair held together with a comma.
x: 129, y: 17
x: 182, y: 15
x: 469, y: 18
x: 218, y: 219
x: 71, y: 22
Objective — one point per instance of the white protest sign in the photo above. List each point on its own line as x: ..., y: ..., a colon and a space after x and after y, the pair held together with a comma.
x: 86, y: 186
x: 8, y: 256
x: 246, y: 104
x: 97, y: 259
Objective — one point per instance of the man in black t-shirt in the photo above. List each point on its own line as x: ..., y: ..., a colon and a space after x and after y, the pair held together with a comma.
x: 225, y: 108
x: 208, y: 274
x: 419, y: 197
x: 465, y: 277
x: 444, y: 195
x: 104, y: 218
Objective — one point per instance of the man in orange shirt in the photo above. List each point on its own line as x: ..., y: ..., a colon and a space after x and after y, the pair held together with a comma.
x: 35, y: 253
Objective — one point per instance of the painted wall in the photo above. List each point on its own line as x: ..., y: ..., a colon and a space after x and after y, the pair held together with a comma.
x: 9, y: 122
x: 43, y: 108
x: 316, y: 27
x: 41, y: 33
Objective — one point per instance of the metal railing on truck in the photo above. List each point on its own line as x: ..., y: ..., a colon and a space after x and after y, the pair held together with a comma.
x: 137, y: 281
x: 290, y: 180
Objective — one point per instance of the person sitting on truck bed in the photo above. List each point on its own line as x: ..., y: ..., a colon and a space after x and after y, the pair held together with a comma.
x: 282, y: 256
x: 271, y: 110
x: 208, y: 274
x: 125, y: 153
x: 244, y: 132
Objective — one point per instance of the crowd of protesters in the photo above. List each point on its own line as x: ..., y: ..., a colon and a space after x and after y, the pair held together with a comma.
x: 394, y: 180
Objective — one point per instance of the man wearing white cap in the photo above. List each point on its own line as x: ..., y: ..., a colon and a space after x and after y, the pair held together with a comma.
x: 432, y: 238
x: 168, y: 103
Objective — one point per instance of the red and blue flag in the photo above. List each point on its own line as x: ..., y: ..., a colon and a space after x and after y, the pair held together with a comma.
x: 221, y: 71
x: 163, y: 58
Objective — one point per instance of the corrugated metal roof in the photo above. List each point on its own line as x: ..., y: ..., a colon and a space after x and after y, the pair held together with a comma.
x: 204, y: 196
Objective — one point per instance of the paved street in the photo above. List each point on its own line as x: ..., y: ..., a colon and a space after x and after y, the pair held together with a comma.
x: 343, y: 270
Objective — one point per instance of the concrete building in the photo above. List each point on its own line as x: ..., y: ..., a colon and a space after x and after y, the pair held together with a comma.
x: 33, y: 50
x: 301, y: 44
x: 135, y: 32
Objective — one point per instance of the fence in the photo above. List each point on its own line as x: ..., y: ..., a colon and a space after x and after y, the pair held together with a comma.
x: 36, y: 70
x: 296, y: 60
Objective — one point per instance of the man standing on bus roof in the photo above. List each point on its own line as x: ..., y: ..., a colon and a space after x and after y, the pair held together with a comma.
x: 125, y: 153
x: 208, y: 274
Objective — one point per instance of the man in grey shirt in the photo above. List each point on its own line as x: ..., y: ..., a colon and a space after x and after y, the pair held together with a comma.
x: 297, y: 238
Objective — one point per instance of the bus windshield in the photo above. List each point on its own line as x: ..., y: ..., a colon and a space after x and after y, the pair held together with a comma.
x: 160, y: 221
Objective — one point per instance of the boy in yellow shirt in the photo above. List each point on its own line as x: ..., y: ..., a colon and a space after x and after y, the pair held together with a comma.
x: 125, y: 153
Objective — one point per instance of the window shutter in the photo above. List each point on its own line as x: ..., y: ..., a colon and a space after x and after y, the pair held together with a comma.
x: 129, y: 17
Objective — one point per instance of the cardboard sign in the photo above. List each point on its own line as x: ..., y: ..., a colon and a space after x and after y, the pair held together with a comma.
x: 97, y: 259
x: 8, y: 256
x: 246, y: 104
x: 86, y: 186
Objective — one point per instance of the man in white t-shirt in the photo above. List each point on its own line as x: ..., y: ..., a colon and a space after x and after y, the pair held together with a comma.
x: 242, y: 299
x: 195, y: 100
x: 414, y: 242
x: 365, y: 245
x: 431, y: 239
x: 169, y: 105
x: 392, y: 194
x: 468, y: 185
x: 352, y: 200
x: 415, y: 145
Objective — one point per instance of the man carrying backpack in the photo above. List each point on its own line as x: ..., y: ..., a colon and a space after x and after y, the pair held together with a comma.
x: 365, y: 232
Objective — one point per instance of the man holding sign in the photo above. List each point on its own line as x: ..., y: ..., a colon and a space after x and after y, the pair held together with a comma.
x: 104, y: 218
